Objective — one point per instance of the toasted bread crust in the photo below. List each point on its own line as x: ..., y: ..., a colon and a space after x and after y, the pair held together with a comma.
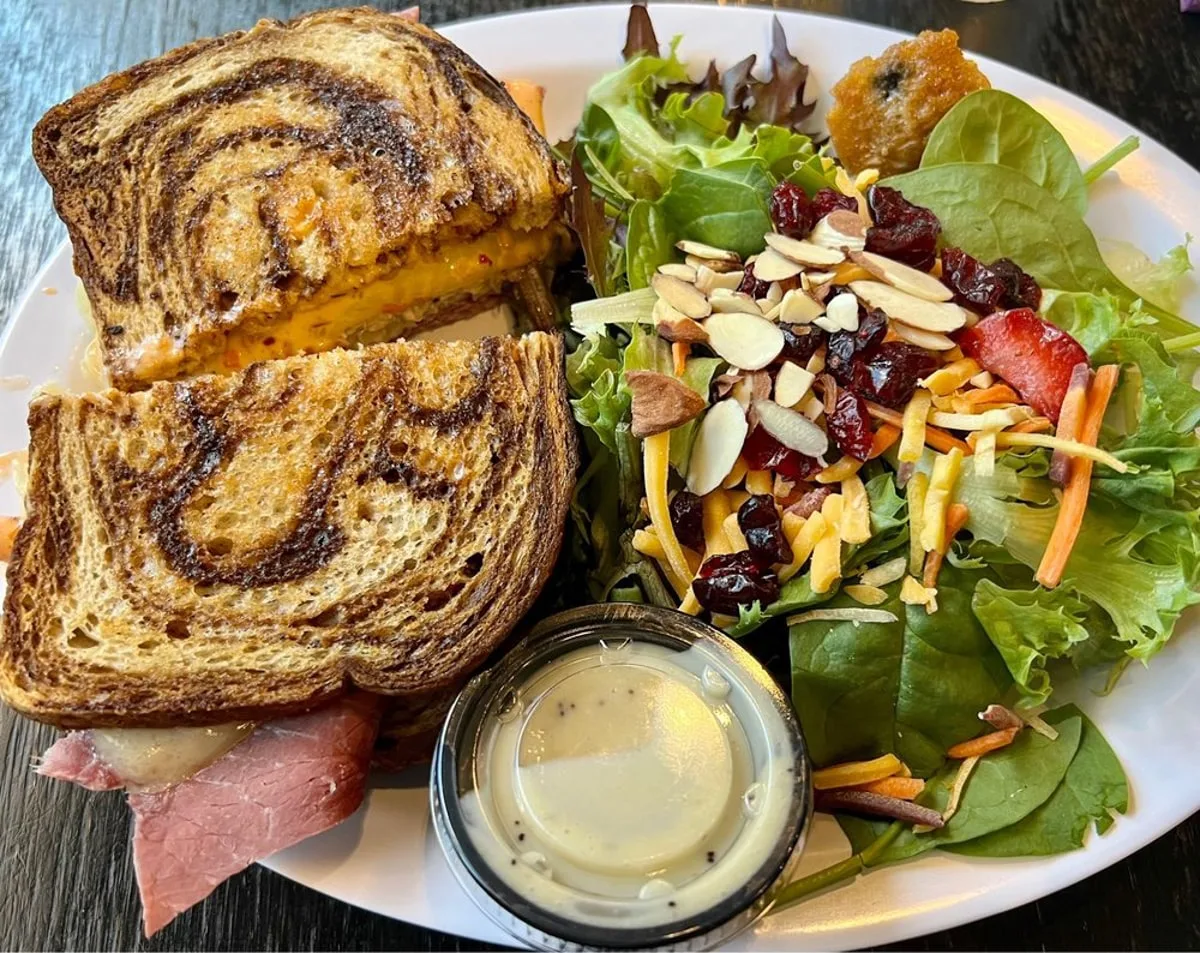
x: 232, y: 180
x: 245, y: 546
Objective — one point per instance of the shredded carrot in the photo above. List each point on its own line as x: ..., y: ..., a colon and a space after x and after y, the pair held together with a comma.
x: 996, y: 394
x: 1075, y: 494
x: 956, y: 518
x: 884, y: 438
x: 855, y: 772
x: 983, y: 744
x: 837, y: 472
x: 938, y: 439
x: 679, y: 354
x: 1033, y: 425
x: 903, y: 788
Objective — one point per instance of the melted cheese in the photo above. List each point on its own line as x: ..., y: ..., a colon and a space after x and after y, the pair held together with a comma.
x: 150, y: 759
x: 376, y: 311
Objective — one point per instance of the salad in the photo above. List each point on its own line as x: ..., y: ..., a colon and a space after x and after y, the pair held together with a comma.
x: 920, y: 429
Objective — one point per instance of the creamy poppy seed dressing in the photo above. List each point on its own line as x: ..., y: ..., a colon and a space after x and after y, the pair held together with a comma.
x: 627, y: 784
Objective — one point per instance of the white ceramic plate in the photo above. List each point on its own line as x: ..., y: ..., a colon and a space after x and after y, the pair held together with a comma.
x: 385, y: 859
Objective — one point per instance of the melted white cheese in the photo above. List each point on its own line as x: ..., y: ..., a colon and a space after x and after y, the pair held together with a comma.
x: 149, y: 759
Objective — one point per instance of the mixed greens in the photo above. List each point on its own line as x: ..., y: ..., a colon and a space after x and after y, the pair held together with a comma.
x: 660, y: 160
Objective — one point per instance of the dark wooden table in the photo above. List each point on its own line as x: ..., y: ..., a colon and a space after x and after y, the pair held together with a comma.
x: 66, y: 881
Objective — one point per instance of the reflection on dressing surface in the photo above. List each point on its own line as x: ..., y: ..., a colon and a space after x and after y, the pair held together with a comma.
x: 621, y: 786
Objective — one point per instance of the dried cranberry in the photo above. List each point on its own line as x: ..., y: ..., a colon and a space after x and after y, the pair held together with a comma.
x: 839, y: 355
x: 902, y: 231
x: 764, y: 452
x: 800, y: 342
x: 687, y: 517
x: 890, y: 373
x: 830, y: 200
x: 1021, y: 290
x: 732, y: 580
x: 760, y: 523
x: 810, y: 501
x: 849, y: 425
x: 791, y: 210
x: 974, y: 284
x: 872, y: 328
x: 752, y: 286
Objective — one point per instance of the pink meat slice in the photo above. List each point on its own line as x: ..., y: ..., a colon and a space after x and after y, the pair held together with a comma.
x: 289, y: 780
x: 73, y: 758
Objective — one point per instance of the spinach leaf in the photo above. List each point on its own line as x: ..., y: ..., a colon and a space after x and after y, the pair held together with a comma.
x: 996, y: 127
x: 992, y: 212
x: 648, y: 243
x: 1092, y: 788
x: 912, y: 687
x: 724, y: 205
x: 1005, y: 787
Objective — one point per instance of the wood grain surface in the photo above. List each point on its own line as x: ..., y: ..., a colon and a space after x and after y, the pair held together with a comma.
x: 66, y: 881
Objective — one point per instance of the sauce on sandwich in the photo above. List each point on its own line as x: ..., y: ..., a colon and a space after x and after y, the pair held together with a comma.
x: 629, y: 784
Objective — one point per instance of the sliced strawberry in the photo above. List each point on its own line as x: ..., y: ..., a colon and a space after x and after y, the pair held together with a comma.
x: 1032, y: 355
x: 764, y: 452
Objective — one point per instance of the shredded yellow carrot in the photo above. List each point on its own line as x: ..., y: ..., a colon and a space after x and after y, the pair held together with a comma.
x: 956, y: 518
x: 1075, y: 494
x: 1070, y: 417
x: 1074, y: 448
x: 646, y: 542
x: 714, y: 507
x: 759, y: 482
x: 938, y: 439
x: 983, y: 744
x: 842, y: 470
x: 1032, y: 425
x: 903, y: 788
x: 855, y: 772
x: 917, y: 490
x: 656, y: 465
x: 733, y: 533
x: 846, y: 272
x: 679, y: 354
x: 736, y: 475
x: 885, y: 437
x: 950, y: 377
x: 802, y: 538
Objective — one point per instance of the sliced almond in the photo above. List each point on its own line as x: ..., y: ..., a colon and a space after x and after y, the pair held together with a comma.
x: 775, y: 292
x: 826, y: 324
x: 840, y: 229
x: 717, y: 266
x: 812, y: 279
x: 792, y: 429
x: 744, y: 340
x: 792, y: 384
x: 902, y: 306
x: 799, y: 308
x: 718, y: 445
x: 682, y: 331
x: 709, y: 280
x: 930, y: 340
x: 772, y: 266
x: 982, y: 380
x: 681, y: 296
x: 663, y: 312
x: 682, y: 272
x: 660, y: 402
x: 806, y: 253
x: 708, y: 252
x: 724, y: 301
x: 842, y: 310
x: 771, y: 313
x: 812, y: 407
x: 903, y: 277
x: 764, y: 305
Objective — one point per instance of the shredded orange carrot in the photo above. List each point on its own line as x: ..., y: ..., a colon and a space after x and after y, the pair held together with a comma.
x: 1075, y: 494
x: 903, y: 788
x: 938, y: 439
x: 679, y: 353
x: 855, y: 772
x: 1071, y: 415
x: 847, y: 272
x: 996, y: 394
x: 885, y: 436
x: 983, y: 744
x: 1033, y: 425
x: 956, y: 518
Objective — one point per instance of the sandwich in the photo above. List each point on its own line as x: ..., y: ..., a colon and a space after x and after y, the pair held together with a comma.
x: 348, y: 177
x: 224, y: 578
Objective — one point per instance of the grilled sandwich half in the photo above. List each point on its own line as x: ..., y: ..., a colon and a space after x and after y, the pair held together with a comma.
x: 344, y: 178
x: 238, y: 547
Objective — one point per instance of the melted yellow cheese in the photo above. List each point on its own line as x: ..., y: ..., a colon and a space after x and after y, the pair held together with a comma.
x: 375, y: 311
